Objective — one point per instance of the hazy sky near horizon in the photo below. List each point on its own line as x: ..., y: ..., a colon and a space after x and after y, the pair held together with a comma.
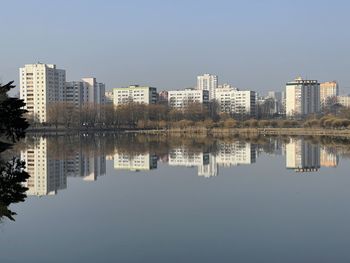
x: 252, y: 44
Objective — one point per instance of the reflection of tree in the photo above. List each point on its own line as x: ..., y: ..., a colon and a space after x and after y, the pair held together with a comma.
x: 12, y: 174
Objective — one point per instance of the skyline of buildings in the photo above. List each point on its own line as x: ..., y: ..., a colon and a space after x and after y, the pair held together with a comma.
x: 42, y: 85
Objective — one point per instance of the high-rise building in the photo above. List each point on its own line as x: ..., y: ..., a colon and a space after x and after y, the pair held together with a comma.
x: 277, y: 97
x: 208, y: 82
x: 94, y: 92
x: 180, y: 99
x: 85, y: 91
x: 41, y: 85
x: 302, y: 97
x: 328, y: 90
x: 134, y: 94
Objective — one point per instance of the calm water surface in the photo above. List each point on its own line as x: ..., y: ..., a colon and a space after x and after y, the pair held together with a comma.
x: 152, y: 199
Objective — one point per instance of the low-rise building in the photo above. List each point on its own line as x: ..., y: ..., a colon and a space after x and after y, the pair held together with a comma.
x: 234, y: 101
x: 180, y: 99
x: 134, y: 94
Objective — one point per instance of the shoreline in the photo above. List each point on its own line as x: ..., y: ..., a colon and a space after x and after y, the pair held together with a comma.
x: 202, y: 131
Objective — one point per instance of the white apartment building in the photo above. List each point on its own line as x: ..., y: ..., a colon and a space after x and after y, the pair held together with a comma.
x: 302, y: 156
x: 47, y: 174
x: 88, y: 90
x: 134, y: 94
x: 137, y: 162
x: 245, y: 102
x: 179, y: 99
x: 344, y: 101
x: 40, y: 85
x: 302, y: 97
x: 235, y: 101
x: 208, y: 82
x: 328, y: 90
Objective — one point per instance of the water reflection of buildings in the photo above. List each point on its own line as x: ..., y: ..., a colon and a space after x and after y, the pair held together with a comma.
x: 229, y: 154
x: 205, y: 162
x: 328, y: 158
x: 236, y: 153
x: 135, y: 162
x: 86, y: 165
x: 48, y: 172
x: 303, y: 156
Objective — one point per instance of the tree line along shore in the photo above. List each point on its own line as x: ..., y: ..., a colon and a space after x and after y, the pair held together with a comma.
x: 195, y: 117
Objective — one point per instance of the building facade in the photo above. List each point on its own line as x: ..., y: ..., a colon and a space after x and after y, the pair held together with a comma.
x: 163, y: 97
x: 235, y: 101
x: 40, y: 85
x: 85, y: 91
x: 328, y: 90
x: 108, y: 97
x: 302, y: 97
x: 180, y: 99
x: 208, y: 82
x: 134, y: 94
x: 344, y: 101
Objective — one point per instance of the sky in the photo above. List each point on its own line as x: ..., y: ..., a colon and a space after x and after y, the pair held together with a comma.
x: 251, y: 44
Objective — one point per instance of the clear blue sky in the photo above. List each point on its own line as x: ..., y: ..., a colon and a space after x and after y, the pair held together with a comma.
x: 252, y: 44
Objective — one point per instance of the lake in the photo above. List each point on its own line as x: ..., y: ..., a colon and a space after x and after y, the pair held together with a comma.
x: 138, y: 198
